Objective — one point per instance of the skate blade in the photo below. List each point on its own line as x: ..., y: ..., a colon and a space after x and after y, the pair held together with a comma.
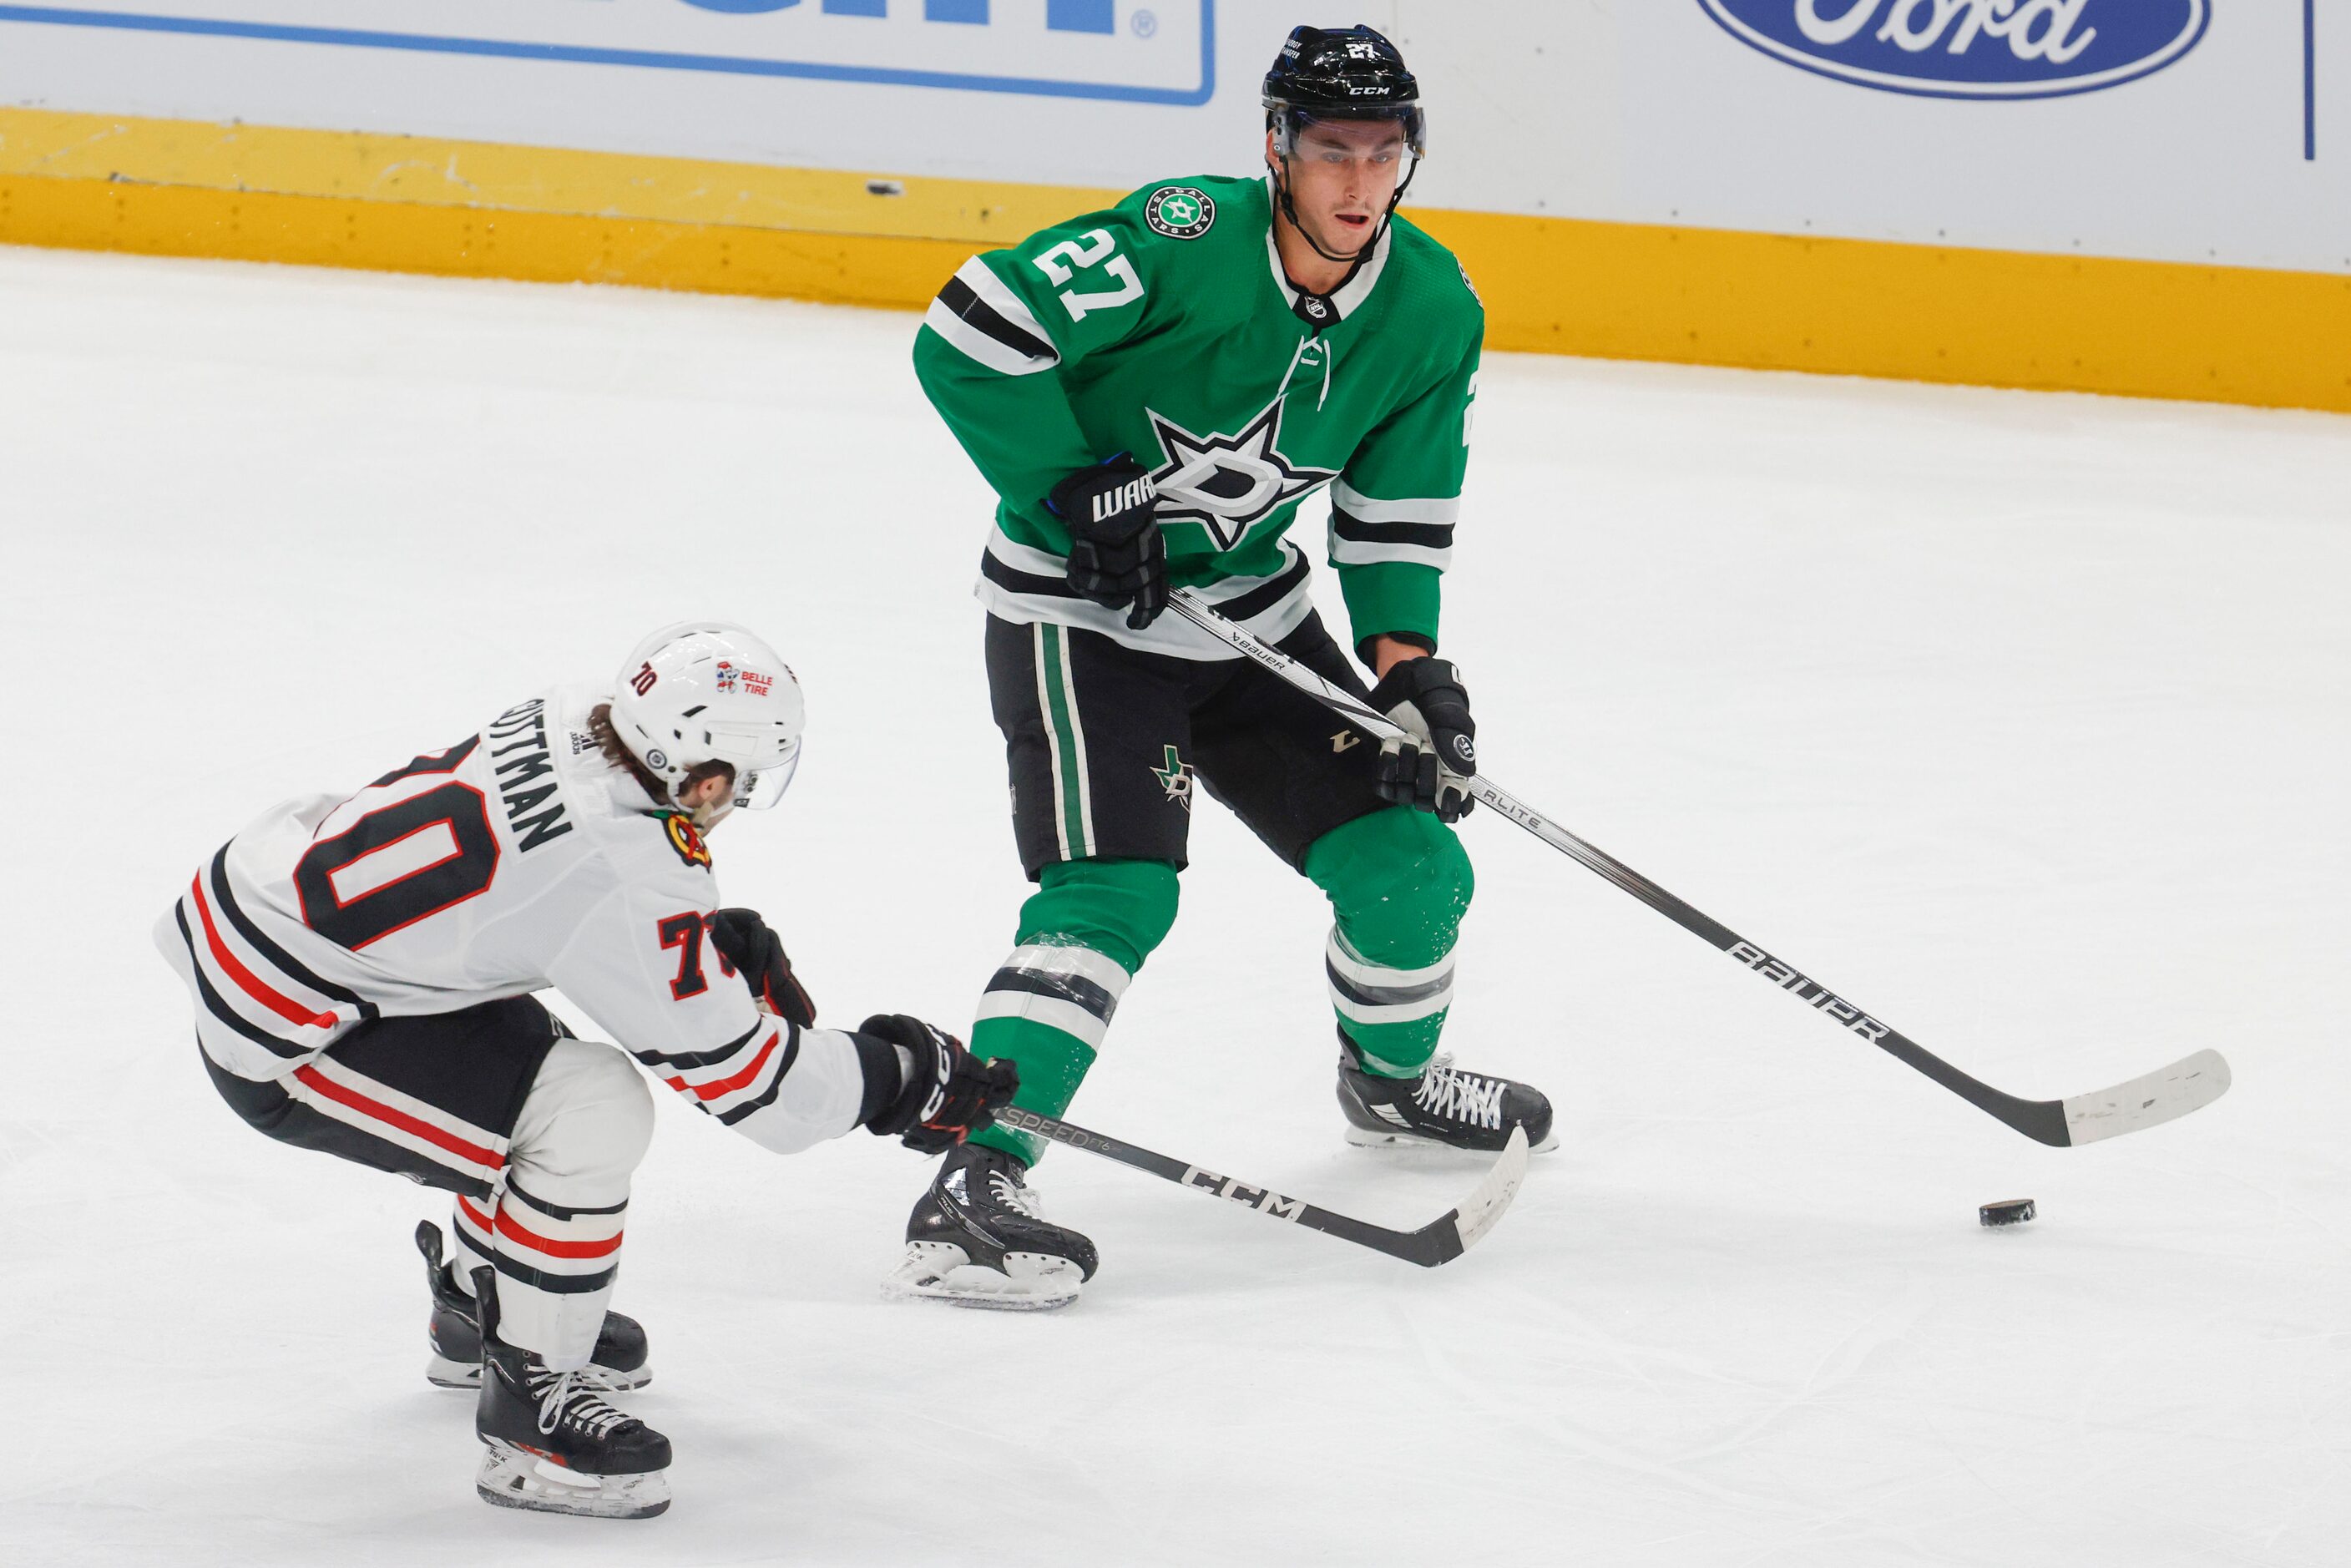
x: 1367, y: 1138
x: 514, y: 1478
x: 467, y: 1375
x: 941, y: 1272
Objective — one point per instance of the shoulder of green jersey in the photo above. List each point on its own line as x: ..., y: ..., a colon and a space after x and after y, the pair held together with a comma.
x: 1424, y: 253
x: 1179, y: 211
x: 1219, y: 188
x: 980, y: 314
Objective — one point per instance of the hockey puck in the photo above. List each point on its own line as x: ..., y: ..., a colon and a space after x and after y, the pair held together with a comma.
x: 2009, y: 1211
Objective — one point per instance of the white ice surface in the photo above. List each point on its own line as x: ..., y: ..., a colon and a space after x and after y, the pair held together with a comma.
x: 2019, y: 719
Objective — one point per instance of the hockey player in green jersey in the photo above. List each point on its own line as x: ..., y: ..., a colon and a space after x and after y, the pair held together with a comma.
x: 1152, y: 390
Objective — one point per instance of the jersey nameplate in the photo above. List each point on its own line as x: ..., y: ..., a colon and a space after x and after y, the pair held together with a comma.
x: 1179, y: 211
x: 687, y: 838
x: 526, y: 774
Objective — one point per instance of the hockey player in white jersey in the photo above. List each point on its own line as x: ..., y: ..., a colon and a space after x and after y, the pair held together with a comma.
x: 363, y: 965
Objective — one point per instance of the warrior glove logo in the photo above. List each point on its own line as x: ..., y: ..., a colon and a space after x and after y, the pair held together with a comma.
x: 1227, y: 483
x: 1133, y: 493
x: 1179, y: 211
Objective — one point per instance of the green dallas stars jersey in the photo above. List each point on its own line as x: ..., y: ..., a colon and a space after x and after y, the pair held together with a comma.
x: 1165, y: 327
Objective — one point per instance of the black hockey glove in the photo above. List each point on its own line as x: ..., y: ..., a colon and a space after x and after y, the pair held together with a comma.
x: 1429, y: 772
x: 1116, y: 556
x: 752, y: 950
x: 948, y: 1093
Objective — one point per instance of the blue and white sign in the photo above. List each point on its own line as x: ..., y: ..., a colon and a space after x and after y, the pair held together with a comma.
x: 1138, y: 51
x: 1971, y: 48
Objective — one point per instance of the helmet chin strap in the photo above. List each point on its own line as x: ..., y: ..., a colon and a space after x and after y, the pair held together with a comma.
x: 1289, y: 211
x: 708, y: 815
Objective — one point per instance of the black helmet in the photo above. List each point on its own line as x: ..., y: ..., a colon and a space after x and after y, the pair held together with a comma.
x: 1340, y: 73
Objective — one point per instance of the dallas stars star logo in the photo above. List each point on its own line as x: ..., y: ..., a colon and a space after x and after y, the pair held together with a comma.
x: 1179, y: 211
x: 1228, y: 482
x: 1175, y: 779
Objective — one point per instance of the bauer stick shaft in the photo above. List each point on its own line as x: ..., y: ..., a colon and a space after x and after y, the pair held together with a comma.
x: 1440, y: 1241
x: 2188, y: 1084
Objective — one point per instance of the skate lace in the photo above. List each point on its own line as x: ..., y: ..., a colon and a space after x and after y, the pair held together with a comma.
x: 1447, y: 1091
x: 573, y: 1394
x: 1013, y: 1195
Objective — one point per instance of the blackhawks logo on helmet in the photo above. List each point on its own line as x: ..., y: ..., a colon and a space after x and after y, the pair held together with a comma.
x: 1179, y: 211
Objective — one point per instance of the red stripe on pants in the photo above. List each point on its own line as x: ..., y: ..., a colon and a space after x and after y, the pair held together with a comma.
x: 320, y: 1083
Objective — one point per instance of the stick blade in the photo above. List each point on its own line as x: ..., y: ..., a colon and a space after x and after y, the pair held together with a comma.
x: 1483, y: 1209
x: 2189, y: 1085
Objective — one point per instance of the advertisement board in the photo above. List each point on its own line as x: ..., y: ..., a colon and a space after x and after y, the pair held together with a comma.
x: 1052, y: 49
x: 2187, y: 131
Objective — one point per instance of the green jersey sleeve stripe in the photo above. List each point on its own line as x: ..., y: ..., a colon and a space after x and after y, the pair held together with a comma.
x: 1366, y: 509
x: 978, y: 314
x: 1355, y: 542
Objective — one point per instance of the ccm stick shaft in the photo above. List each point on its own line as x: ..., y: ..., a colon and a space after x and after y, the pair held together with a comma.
x: 1441, y: 1240
x: 2185, y: 1085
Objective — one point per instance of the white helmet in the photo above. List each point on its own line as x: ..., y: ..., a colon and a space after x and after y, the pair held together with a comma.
x: 708, y: 691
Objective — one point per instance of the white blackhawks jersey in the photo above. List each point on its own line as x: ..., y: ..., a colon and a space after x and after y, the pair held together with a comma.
x: 515, y: 860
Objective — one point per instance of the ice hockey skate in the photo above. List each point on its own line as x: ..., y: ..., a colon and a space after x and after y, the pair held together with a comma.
x: 979, y: 1238
x: 1445, y: 1107
x: 457, y: 1356
x: 554, y: 1446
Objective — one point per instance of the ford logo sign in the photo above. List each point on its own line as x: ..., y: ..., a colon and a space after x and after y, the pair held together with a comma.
x: 1971, y: 48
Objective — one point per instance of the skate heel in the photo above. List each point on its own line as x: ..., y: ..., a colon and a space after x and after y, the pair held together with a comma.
x: 941, y: 1272
x: 512, y: 1476
x: 1370, y: 1138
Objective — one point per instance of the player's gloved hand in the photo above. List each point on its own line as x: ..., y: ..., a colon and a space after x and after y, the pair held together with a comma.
x: 744, y: 941
x: 1429, y: 772
x: 947, y: 1094
x: 1116, y: 556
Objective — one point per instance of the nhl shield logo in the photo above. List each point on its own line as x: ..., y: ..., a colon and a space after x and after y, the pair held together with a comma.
x: 1179, y: 211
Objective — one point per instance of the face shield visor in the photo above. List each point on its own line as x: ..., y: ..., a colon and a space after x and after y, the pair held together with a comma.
x: 1290, y: 120
x: 757, y: 790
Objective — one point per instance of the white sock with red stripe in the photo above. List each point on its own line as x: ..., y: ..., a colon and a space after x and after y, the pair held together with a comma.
x: 554, y: 1236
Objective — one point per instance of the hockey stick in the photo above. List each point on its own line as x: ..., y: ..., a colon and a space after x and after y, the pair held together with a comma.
x: 1441, y: 1240
x: 2189, y: 1085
